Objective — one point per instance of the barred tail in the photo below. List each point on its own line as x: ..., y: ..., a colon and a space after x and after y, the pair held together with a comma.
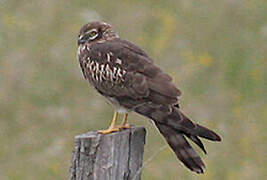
x: 174, y: 126
x: 182, y: 148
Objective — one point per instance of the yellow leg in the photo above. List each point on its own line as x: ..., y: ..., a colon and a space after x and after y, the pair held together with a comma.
x: 112, y: 127
x: 124, y: 122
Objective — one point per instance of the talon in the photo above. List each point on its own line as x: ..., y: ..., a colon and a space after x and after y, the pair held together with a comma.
x: 113, y: 127
x: 125, y: 126
x: 109, y: 130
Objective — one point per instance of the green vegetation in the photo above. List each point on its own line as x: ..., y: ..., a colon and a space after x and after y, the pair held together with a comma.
x: 216, y: 52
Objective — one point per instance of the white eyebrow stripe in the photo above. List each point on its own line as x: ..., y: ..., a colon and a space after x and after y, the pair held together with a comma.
x: 92, y: 30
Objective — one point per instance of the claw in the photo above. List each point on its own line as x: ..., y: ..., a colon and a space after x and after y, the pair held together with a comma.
x: 115, y: 128
x: 124, y: 126
x: 109, y: 130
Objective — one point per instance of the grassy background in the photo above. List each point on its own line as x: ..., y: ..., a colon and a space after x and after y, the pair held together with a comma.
x: 215, y: 50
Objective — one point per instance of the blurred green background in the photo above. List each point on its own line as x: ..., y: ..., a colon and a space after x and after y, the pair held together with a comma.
x: 216, y: 52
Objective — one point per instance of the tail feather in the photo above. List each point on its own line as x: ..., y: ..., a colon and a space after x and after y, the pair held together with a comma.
x: 182, y: 148
x: 201, y: 131
x: 174, y: 126
x: 207, y: 134
x: 198, y: 142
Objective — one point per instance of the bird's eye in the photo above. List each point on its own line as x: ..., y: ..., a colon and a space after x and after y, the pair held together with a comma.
x: 93, y: 34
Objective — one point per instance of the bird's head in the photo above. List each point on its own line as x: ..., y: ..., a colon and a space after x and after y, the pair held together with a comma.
x: 96, y: 32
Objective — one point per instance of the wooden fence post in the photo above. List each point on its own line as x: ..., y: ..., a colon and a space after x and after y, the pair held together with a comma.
x: 115, y: 156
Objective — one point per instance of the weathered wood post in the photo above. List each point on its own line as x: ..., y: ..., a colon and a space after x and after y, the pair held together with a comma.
x: 115, y: 156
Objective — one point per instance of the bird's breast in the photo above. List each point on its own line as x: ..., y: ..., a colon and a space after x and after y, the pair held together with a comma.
x: 104, y: 72
x: 100, y: 67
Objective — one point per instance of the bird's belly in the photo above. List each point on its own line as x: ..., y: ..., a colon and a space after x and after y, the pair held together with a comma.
x: 120, y: 109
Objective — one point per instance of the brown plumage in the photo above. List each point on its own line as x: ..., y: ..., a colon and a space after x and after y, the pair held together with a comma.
x: 128, y: 78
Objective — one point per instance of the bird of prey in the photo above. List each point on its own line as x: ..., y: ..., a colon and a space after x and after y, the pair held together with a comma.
x: 127, y: 77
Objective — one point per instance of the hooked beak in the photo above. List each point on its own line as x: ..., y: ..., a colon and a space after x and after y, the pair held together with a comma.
x: 81, y: 40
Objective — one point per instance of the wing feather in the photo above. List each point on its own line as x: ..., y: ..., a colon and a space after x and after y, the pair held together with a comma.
x: 143, y: 78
